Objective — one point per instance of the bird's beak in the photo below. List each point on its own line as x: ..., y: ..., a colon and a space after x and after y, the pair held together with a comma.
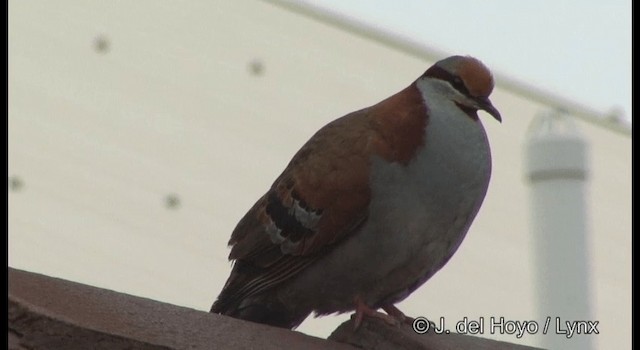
x: 485, y: 105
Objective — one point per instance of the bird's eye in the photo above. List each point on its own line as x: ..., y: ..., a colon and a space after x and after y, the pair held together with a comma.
x: 458, y: 84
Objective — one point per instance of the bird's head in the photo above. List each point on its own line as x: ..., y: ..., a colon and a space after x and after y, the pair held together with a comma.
x: 466, y: 81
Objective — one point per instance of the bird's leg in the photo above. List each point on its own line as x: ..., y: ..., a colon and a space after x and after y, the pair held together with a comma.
x: 363, y: 310
x: 397, y: 314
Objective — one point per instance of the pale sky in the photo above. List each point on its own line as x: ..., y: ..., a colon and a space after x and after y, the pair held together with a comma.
x: 580, y: 50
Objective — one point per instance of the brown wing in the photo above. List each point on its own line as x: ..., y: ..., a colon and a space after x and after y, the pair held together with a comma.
x: 322, y: 196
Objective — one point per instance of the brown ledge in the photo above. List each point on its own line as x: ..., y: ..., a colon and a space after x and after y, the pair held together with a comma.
x: 50, y: 313
x: 375, y: 334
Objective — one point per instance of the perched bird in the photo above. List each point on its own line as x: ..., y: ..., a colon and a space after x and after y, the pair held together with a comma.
x: 371, y: 207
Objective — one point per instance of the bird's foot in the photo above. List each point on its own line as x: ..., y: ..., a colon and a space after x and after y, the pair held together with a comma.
x: 393, y: 311
x: 393, y: 317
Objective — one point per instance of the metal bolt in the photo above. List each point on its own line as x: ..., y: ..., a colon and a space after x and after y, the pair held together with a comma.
x: 101, y: 44
x: 15, y: 183
x: 256, y: 67
x: 172, y: 201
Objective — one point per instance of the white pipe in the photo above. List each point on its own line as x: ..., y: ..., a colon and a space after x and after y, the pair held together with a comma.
x: 556, y: 168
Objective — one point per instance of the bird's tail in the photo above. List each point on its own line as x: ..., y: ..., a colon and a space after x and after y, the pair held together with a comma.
x: 243, y: 298
x: 264, y: 309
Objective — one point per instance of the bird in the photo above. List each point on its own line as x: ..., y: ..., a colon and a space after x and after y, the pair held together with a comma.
x: 369, y: 208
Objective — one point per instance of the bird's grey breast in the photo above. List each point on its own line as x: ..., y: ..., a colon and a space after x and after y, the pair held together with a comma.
x: 421, y: 212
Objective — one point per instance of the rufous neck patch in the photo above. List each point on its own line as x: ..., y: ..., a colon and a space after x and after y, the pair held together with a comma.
x: 401, y: 121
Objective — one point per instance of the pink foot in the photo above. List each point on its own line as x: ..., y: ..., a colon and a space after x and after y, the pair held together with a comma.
x: 391, y: 310
x: 393, y: 316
